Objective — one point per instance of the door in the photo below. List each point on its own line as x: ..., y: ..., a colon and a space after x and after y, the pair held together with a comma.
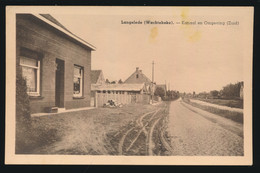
x: 59, y: 84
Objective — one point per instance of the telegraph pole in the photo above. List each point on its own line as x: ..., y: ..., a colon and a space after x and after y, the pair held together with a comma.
x: 153, y: 72
x: 152, y: 81
x: 165, y: 89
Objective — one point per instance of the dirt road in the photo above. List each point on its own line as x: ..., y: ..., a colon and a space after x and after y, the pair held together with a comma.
x: 145, y: 136
x: 194, y: 134
x: 169, y: 128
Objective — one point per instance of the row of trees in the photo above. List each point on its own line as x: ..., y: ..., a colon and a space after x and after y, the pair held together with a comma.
x: 168, y: 95
x: 114, y: 82
x: 230, y: 91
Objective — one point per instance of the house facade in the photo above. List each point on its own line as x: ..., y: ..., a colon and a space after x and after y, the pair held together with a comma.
x: 55, y: 63
x: 138, y: 77
x: 122, y: 93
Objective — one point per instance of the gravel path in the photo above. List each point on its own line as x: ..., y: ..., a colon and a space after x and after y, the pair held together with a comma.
x: 192, y: 134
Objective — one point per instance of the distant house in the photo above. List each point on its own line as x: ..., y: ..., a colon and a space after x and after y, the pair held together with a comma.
x: 138, y: 77
x: 129, y: 89
x: 55, y: 63
x: 122, y: 93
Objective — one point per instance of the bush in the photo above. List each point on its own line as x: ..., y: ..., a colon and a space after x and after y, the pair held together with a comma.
x: 159, y: 92
x: 22, y: 99
x: 23, y: 117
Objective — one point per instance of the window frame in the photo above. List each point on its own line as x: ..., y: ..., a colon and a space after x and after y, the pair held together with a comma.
x: 38, y: 68
x: 80, y: 94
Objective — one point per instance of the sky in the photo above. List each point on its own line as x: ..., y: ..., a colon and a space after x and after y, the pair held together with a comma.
x: 187, y: 57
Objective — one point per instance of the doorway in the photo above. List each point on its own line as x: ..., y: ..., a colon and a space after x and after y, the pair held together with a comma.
x: 59, y: 84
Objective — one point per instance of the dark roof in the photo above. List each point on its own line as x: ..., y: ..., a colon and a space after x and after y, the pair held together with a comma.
x: 142, y: 77
x: 56, y: 22
x: 94, y: 76
x: 53, y: 20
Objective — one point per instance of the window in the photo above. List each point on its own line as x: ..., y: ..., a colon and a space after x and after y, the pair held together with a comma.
x: 78, y: 81
x: 137, y: 76
x: 31, y: 73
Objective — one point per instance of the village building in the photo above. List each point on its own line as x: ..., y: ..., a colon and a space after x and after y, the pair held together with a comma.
x: 121, y: 93
x: 55, y: 63
x: 129, y: 89
x: 138, y: 77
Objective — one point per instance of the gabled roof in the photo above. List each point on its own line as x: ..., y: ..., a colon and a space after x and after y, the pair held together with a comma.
x: 47, y: 18
x: 95, y: 75
x: 53, y: 20
x: 142, y: 78
x: 117, y: 87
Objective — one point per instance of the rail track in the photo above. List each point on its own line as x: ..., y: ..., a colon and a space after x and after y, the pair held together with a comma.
x: 142, y: 137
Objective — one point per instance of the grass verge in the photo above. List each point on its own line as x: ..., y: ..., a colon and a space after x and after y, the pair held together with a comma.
x: 81, y: 133
x: 224, y: 102
x: 235, y: 116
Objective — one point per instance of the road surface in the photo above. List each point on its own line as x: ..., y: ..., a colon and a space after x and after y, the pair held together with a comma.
x: 192, y: 133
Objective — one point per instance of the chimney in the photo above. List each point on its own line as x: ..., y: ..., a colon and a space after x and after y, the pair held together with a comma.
x: 137, y: 68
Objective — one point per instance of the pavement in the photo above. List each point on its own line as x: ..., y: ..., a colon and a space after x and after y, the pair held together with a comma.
x: 61, y: 111
x: 195, y: 134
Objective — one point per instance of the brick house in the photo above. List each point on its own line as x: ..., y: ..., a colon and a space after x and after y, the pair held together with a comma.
x: 55, y: 63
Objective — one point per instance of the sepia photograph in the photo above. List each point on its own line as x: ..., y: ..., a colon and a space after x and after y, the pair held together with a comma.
x: 129, y: 85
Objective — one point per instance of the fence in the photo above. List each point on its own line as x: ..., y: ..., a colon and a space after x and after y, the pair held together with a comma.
x: 101, y: 98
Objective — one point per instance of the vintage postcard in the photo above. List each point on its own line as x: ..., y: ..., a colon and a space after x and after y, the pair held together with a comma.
x: 129, y: 85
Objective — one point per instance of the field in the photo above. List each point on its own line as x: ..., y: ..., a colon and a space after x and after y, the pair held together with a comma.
x: 83, y: 132
x: 224, y: 102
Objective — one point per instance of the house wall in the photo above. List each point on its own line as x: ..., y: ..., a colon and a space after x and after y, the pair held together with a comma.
x: 49, y: 44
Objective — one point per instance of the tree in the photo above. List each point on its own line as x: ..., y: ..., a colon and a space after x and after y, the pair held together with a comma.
x: 120, y: 81
x: 231, y: 90
x: 172, y: 95
x: 107, y: 81
x: 159, y: 92
x: 214, y: 93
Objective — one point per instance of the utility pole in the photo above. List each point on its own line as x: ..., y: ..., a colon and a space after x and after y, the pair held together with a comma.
x: 165, y: 88
x: 153, y: 72
x: 152, y: 81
